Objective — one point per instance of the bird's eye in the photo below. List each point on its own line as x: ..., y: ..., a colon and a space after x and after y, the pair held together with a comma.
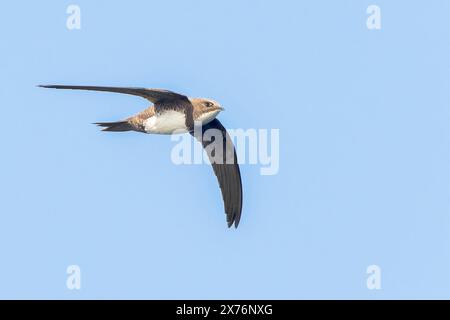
x: 209, y: 104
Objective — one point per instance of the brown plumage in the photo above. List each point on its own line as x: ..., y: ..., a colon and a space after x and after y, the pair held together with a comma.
x: 171, y: 112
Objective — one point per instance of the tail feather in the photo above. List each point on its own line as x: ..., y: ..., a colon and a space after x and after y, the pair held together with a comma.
x: 117, y: 126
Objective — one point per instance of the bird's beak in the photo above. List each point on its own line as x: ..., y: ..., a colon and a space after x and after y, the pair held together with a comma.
x: 222, y: 109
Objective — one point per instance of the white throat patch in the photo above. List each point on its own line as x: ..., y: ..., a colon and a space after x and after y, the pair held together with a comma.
x: 208, y: 116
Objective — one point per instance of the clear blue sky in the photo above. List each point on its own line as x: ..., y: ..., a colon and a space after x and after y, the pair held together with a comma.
x: 364, y: 119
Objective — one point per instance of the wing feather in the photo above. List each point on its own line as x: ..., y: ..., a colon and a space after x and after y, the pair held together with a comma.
x: 153, y: 95
x: 226, y: 170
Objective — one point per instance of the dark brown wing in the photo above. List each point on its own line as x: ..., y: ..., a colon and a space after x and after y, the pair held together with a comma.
x: 225, y: 165
x: 153, y: 95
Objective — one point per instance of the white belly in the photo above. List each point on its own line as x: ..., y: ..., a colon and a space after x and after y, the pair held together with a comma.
x: 166, y: 123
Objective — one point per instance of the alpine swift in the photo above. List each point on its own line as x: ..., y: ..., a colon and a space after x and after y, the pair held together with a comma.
x: 176, y: 113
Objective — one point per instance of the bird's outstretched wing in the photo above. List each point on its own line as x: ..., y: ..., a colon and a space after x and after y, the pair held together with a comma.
x: 153, y: 95
x: 224, y: 162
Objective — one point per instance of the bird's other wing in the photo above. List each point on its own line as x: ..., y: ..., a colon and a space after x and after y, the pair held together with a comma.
x: 225, y: 165
x: 153, y: 95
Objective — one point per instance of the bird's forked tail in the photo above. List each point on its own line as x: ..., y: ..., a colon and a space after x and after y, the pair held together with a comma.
x: 117, y: 126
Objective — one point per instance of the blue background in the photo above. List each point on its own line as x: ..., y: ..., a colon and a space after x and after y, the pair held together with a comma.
x: 364, y: 150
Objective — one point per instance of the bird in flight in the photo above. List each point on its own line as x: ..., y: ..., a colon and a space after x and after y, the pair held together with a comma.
x: 176, y: 113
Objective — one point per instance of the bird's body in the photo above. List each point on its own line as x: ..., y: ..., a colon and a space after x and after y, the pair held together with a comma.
x: 170, y: 120
x: 173, y: 113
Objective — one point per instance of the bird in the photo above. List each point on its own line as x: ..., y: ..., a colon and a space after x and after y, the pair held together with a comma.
x: 174, y: 113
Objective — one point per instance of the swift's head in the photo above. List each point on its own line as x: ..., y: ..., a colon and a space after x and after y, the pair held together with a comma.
x: 205, y: 110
